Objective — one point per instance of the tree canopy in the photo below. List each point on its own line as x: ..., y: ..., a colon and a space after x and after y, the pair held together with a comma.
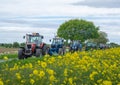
x: 78, y: 30
x: 102, y: 38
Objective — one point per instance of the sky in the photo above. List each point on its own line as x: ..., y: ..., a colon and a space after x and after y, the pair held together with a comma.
x: 18, y: 17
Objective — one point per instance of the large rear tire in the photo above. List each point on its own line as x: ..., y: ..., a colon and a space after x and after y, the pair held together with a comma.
x: 20, y: 54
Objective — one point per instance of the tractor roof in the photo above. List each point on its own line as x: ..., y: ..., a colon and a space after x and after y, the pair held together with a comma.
x: 34, y: 34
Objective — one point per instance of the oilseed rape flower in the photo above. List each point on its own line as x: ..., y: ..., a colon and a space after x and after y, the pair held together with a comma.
x: 106, y: 82
x: 43, y: 64
x: 92, y: 75
x: 65, y: 72
x: 32, y: 81
x: 23, y: 81
x: 41, y: 74
x: 5, y: 58
x: 50, y: 71
x: 1, y: 82
x: 35, y: 72
x: 52, y: 78
x: 30, y: 65
x: 18, y: 76
x: 118, y: 84
x: 70, y: 81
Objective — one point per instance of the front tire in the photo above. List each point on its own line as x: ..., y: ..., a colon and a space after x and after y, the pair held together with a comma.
x: 38, y: 53
x: 20, y: 54
x: 61, y: 51
x: 45, y: 50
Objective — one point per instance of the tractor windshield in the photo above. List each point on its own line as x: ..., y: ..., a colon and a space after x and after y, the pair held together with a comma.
x: 57, y: 41
x: 34, y: 39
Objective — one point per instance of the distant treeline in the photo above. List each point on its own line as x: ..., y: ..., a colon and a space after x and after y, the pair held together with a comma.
x: 12, y: 45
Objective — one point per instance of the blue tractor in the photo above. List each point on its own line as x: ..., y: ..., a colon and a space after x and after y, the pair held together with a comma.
x: 57, y: 46
x: 75, y: 45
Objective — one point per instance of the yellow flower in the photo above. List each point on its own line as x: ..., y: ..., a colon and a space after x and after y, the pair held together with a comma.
x: 30, y: 65
x: 118, y: 84
x: 7, y: 80
x: 42, y: 74
x: 30, y: 75
x: 1, y: 82
x: 65, y: 72
x: 59, y: 57
x: 99, y: 81
x: 43, y: 64
x: 50, y: 71
x: 92, y: 75
x: 32, y: 81
x: 70, y: 81
x: 35, y: 72
x: 22, y: 81
x: 18, y: 76
x: 107, y: 82
x: 52, y: 78
x: 5, y: 58
x: 38, y: 62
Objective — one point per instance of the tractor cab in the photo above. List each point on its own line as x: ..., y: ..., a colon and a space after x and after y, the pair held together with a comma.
x: 34, y: 38
x: 57, y: 42
x: 75, y: 45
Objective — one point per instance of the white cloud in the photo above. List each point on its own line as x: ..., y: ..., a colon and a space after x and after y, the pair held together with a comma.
x: 100, y: 3
x: 48, y: 7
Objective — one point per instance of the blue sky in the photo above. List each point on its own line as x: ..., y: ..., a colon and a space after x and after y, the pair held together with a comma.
x: 18, y: 17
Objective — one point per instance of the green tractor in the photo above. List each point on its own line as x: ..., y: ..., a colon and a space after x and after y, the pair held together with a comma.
x: 34, y: 46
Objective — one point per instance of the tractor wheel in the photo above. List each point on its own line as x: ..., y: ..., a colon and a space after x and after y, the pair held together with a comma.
x: 38, y: 53
x: 20, y: 54
x: 64, y: 50
x: 45, y: 50
x: 61, y: 51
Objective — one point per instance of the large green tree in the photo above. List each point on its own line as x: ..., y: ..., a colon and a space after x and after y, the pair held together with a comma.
x: 78, y: 30
x: 102, y: 38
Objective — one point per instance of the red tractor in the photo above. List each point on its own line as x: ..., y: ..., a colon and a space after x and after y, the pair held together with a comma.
x: 34, y: 46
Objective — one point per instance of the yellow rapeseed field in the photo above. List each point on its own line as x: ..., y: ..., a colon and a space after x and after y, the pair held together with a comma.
x: 97, y: 67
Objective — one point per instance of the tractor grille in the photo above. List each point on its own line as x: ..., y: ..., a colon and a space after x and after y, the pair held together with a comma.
x: 28, y: 51
x: 29, y: 46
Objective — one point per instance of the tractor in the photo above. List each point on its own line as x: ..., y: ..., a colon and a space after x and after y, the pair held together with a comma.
x: 57, y: 46
x: 75, y: 45
x: 90, y: 46
x: 34, y: 46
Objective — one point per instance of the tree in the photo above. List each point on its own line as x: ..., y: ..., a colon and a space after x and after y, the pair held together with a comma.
x: 15, y: 44
x: 112, y: 44
x: 101, y: 39
x: 78, y: 30
x: 22, y: 44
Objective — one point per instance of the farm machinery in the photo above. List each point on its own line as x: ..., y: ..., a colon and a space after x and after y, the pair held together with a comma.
x: 57, y: 46
x: 34, y: 46
x: 75, y: 45
x: 90, y: 46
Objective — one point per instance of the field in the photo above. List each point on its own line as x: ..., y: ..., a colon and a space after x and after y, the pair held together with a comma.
x: 7, y: 50
x: 97, y: 67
